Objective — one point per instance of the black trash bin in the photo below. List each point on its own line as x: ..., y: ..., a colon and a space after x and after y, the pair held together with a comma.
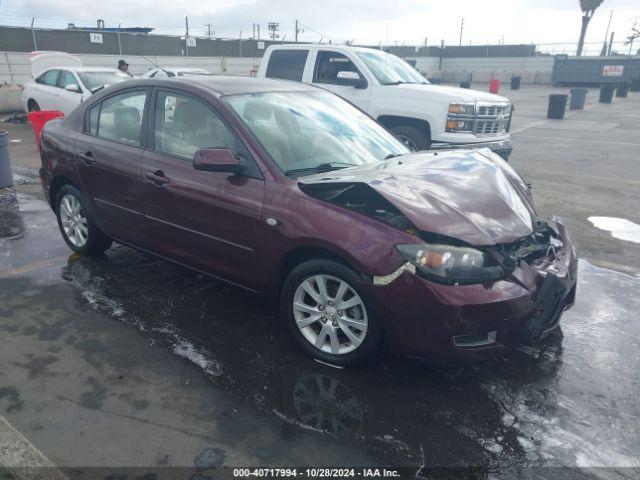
x: 6, y: 177
x: 578, y: 97
x: 634, y: 85
x: 465, y: 84
x: 557, y: 106
x: 622, y: 90
x: 515, y: 83
x: 606, y: 93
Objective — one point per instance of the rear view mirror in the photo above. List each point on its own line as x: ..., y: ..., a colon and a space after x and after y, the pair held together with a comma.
x: 217, y: 160
x: 72, y: 87
x: 352, y: 79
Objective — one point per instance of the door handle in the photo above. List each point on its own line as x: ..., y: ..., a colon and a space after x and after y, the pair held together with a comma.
x: 88, y: 157
x: 156, y: 177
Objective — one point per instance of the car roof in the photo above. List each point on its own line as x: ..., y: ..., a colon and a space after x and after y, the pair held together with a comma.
x: 84, y: 69
x: 307, y: 46
x: 236, y: 85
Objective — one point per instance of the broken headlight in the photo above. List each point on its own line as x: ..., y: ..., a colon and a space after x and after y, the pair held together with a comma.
x: 449, y: 264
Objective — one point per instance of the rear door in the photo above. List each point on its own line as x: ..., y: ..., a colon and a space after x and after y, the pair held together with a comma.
x: 207, y: 220
x: 287, y: 64
x: 45, y: 90
x: 108, y: 158
x: 327, y: 64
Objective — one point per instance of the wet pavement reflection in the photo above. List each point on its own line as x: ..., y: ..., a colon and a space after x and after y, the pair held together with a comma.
x: 572, y: 401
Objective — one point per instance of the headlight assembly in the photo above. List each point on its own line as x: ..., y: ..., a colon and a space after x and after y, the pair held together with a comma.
x: 449, y: 264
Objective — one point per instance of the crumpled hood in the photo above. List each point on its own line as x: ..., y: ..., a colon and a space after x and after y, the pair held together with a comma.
x: 471, y: 195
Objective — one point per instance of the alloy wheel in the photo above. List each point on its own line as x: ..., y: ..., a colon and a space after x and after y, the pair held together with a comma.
x: 330, y: 314
x: 74, y: 221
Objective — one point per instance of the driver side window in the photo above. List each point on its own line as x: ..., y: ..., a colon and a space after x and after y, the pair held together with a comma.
x: 328, y: 64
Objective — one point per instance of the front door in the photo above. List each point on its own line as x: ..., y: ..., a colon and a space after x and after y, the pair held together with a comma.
x: 207, y: 220
x: 108, y: 158
x: 325, y: 75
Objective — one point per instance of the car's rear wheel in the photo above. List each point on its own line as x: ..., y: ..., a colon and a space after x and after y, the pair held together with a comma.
x: 75, y: 222
x: 33, y: 106
x: 329, y: 314
x: 413, y: 138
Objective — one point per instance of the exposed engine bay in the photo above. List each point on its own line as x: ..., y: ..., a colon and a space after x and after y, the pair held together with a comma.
x: 535, y: 249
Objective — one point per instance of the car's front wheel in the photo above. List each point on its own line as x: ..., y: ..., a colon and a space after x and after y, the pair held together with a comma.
x: 75, y: 222
x: 413, y: 138
x: 329, y: 314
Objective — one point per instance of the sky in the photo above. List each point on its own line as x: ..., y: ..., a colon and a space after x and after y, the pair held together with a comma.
x: 365, y: 21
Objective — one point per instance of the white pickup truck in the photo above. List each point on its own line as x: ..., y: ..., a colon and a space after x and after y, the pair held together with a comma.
x: 386, y: 87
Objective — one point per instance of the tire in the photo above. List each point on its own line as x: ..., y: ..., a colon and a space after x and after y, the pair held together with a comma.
x: 33, y: 106
x: 412, y: 137
x: 79, y: 230
x: 351, y: 335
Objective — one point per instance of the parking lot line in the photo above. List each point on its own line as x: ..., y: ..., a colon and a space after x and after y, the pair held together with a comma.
x: 583, y: 140
x: 50, y: 262
x: 22, y: 458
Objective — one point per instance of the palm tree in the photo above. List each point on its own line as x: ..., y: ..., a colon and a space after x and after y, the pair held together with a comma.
x: 587, y: 7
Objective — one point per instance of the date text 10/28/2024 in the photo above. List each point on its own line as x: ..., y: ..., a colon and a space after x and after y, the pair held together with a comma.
x: 315, y: 473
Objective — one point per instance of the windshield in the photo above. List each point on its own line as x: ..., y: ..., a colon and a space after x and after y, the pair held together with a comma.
x: 389, y: 69
x: 303, y: 131
x: 93, y: 80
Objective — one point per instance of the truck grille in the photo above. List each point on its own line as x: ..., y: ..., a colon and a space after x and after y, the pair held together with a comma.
x: 492, y: 119
x: 490, y: 127
x: 493, y: 110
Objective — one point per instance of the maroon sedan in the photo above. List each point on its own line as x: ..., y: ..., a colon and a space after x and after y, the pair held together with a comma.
x: 287, y: 190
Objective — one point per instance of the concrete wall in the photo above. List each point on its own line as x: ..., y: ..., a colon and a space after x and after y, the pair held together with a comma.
x: 15, y: 67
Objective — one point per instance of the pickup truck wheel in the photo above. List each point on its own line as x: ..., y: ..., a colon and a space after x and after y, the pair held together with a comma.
x: 413, y: 138
x: 328, y: 313
x: 76, y: 224
x: 33, y: 106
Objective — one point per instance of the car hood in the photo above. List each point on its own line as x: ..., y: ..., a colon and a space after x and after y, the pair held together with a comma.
x: 473, y: 196
x: 453, y: 93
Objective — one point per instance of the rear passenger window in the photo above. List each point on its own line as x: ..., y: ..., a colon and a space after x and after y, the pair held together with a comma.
x: 287, y: 64
x: 50, y: 77
x: 119, y: 118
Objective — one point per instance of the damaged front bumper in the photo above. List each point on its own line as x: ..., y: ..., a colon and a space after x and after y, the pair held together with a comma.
x: 451, y: 323
x: 501, y: 147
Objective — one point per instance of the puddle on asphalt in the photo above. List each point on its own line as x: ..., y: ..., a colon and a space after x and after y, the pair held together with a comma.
x: 570, y: 401
x: 620, y: 228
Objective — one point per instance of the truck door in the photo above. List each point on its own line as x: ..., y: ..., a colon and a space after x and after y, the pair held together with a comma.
x: 325, y: 75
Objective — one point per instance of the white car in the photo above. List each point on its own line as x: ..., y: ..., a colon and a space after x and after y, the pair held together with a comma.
x: 386, y: 87
x: 62, y: 83
x: 174, y: 72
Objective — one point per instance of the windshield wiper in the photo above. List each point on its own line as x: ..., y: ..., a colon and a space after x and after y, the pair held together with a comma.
x: 322, y: 167
x: 97, y: 89
x: 394, y: 155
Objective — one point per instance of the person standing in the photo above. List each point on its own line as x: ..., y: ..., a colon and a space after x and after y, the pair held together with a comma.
x: 124, y: 67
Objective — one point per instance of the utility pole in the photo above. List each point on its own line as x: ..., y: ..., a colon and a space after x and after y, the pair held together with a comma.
x: 610, y: 44
x: 461, y: 29
x: 33, y: 34
x: 208, y: 25
x: 298, y: 29
x: 186, y: 36
x: 119, y: 44
x: 273, y: 28
x: 603, y: 52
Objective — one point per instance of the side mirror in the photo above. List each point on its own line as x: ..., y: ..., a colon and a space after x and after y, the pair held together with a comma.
x: 217, y: 160
x: 351, y: 79
x: 73, y: 87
